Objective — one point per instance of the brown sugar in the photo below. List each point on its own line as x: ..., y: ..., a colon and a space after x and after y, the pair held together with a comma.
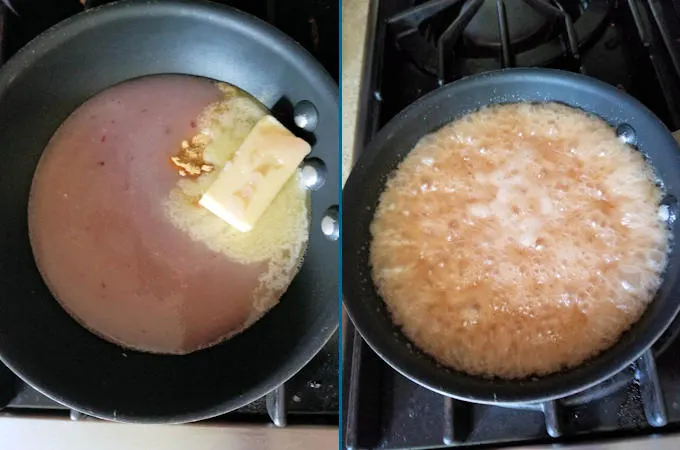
x: 189, y: 160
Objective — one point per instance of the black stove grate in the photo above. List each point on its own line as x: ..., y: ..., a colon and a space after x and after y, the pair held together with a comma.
x: 520, y: 41
x: 412, y: 48
x: 311, y: 396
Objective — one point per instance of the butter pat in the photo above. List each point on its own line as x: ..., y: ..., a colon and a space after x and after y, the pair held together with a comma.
x: 248, y: 183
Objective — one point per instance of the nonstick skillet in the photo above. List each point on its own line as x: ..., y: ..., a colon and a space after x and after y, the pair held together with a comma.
x: 633, y: 122
x: 49, y: 79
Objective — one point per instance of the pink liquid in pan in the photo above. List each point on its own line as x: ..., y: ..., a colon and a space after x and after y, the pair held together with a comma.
x: 99, y: 235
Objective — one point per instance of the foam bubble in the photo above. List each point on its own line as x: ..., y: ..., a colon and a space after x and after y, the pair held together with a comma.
x: 280, y: 235
x: 528, y: 257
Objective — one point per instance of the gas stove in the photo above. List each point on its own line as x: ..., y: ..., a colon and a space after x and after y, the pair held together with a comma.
x: 310, y: 397
x: 415, y: 46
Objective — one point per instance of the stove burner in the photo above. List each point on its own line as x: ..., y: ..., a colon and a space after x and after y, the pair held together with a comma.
x: 524, y: 24
x: 451, y: 38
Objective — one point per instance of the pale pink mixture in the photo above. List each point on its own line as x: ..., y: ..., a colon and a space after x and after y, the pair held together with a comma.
x: 98, y: 231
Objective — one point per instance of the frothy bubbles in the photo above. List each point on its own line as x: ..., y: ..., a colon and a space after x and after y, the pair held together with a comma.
x: 520, y: 240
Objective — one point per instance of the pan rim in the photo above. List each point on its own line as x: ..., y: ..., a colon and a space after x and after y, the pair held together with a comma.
x: 61, y: 32
x: 361, y: 306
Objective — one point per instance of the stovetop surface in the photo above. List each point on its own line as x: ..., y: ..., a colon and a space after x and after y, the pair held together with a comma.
x: 311, y: 396
x: 631, y: 44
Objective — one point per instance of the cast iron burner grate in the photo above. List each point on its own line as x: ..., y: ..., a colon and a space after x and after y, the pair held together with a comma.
x: 311, y: 396
x: 413, y: 47
x: 532, y: 33
x: 417, y: 415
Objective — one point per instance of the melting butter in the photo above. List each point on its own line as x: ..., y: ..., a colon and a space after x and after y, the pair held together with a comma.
x: 247, y: 184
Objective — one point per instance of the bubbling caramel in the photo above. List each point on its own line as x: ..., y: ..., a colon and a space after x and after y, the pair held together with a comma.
x: 519, y: 240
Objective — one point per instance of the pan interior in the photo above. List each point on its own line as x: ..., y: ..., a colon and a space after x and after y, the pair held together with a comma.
x: 393, y: 143
x: 49, y: 79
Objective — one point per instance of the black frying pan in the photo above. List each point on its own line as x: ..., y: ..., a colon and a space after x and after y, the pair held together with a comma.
x: 395, y: 140
x: 39, y: 88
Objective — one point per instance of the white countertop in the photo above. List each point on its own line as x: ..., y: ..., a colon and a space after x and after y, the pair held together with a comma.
x: 354, y: 25
x: 60, y: 434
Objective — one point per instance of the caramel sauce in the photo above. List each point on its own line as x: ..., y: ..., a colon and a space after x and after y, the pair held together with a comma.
x: 519, y: 240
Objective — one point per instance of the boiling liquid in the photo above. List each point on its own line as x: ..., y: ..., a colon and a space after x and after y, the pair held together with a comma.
x: 519, y: 240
